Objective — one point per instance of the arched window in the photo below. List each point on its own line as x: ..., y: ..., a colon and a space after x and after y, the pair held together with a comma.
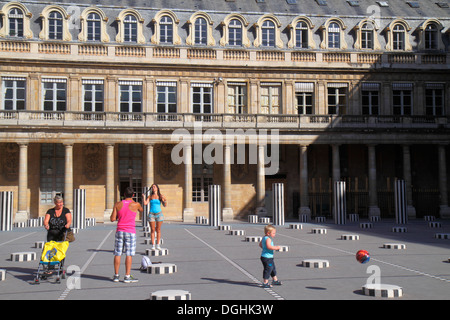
x: 235, y: 33
x: 268, y: 34
x: 398, y: 37
x: 200, y: 31
x: 15, y: 17
x: 431, y: 36
x: 301, y: 33
x: 15, y: 21
x: 93, y: 27
x: 334, y: 36
x: 166, y: 30
x: 130, y: 28
x: 55, y: 26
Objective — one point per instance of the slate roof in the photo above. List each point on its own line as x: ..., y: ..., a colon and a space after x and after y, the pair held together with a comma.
x: 396, y: 8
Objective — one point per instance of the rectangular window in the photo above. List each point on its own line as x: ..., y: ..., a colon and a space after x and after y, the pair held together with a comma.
x: 52, y: 172
x: 370, y: 98
x: 14, y: 93
x: 93, y: 92
x: 434, y: 99
x: 270, y: 98
x: 237, y: 98
x: 304, y: 92
x: 54, y: 94
x: 166, y: 95
x: 402, y: 102
x: 337, y: 98
x: 202, y: 100
x: 202, y: 177
x: 130, y: 96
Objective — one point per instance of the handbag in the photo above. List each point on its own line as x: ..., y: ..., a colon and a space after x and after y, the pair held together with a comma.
x: 70, y: 236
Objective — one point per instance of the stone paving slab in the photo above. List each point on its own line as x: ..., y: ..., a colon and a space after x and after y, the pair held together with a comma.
x: 213, y: 265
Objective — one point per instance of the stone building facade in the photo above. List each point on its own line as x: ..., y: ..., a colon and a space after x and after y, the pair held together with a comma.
x: 102, y: 96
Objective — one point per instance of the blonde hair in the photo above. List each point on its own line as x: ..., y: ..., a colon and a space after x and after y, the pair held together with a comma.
x: 268, y: 228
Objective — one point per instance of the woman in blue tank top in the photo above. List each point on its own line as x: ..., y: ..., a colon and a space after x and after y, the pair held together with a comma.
x: 155, y: 217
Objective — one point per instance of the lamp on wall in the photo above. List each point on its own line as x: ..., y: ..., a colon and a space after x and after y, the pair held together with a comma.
x: 218, y: 80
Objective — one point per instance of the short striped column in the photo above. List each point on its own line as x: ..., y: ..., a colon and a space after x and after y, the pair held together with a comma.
x: 214, y: 205
x: 146, y: 211
x: 253, y: 218
x: 340, y: 206
x: 278, y: 204
x: 162, y: 268
x: 170, y: 295
x: 79, y: 209
x: 2, y: 274
x: 401, y: 216
x: 382, y: 290
x: 23, y: 256
x: 6, y: 210
x: 315, y: 263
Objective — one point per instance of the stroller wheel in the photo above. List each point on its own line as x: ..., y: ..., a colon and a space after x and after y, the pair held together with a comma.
x: 58, y: 280
x: 36, y: 280
x: 63, y: 275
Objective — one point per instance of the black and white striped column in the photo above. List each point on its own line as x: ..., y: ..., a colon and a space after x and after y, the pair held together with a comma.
x: 278, y: 204
x: 339, y: 203
x: 401, y: 215
x: 146, y: 191
x: 6, y: 210
x: 79, y: 209
x: 214, y: 205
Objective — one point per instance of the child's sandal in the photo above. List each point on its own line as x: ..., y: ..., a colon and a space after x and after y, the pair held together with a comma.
x: 276, y: 283
x: 266, y: 285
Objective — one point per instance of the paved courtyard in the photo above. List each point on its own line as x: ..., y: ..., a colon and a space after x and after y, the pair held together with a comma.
x: 214, y: 265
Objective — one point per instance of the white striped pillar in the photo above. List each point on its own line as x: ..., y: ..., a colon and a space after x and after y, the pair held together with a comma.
x: 304, y: 210
x: 79, y: 209
x: 278, y: 203
x: 146, y: 191
x: 339, y: 203
x: 214, y: 205
x: 6, y: 210
x: 22, y: 210
x: 401, y: 215
x: 109, y: 199
x: 68, y: 176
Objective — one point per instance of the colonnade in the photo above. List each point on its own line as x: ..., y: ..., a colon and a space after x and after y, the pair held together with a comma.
x: 227, y: 211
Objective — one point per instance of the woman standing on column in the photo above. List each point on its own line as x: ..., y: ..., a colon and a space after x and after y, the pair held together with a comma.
x: 156, y: 216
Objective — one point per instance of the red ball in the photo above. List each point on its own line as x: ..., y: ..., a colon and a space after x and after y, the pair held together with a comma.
x: 362, y: 256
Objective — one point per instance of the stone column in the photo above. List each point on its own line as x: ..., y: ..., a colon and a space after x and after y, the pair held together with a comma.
x: 109, y: 201
x: 408, y: 181
x: 227, y: 211
x: 444, y: 209
x: 374, y: 210
x: 188, y: 210
x: 304, y: 196
x: 22, y: 214
x: 68, y: 176
x: 336, y: 171
x: 260, y: 181
x: 149, y: 178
